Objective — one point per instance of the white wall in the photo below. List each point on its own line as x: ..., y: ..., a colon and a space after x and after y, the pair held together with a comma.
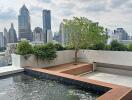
x: 110, y: 57
x: 63, y: 57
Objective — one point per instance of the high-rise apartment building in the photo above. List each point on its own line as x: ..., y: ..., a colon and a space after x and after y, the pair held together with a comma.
x: 6, y: 37
x: 24, y: 25
x: 49, y: 36
x: 123, y: 35
x: 46, y: 24
x: 12, y: 34
x: 111, y: 36
x: 63, y: 31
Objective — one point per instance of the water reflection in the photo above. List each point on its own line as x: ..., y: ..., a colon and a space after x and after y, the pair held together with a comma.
x: 23, y: 87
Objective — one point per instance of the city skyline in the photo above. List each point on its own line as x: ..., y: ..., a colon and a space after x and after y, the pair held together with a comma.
x: 110, y: 14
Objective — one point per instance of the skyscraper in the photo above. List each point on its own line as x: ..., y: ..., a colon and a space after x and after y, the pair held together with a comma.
x: 6, y: 37
x: 63, y: 31
x: 49, y: 36
x: 24, y: 27
x: 38, y: 35
x: 12, y: 34
x: 1, y: 39
x: 46, y: 24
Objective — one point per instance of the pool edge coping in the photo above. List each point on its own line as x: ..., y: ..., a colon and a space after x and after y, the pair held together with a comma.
x: 113, y: 94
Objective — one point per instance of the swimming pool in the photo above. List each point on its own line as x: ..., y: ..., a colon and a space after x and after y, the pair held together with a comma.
x: 24, y: 87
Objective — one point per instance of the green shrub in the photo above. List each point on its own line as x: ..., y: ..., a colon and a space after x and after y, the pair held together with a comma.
x: 69, y: 48
x: 45, y: 52
x: 24, y: 48
x: 115, y: 46
x: 107, y: 47
x: 59, y: 47
x: 130, y: 47
x: 98, y: 46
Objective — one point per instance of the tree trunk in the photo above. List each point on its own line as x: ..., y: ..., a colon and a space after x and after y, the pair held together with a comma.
x: 76, y: 57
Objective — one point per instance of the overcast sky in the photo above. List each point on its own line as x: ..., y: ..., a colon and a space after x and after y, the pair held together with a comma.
x: 109, y: 13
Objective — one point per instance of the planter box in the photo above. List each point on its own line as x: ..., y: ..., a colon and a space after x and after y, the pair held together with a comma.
x: 18, y: 60
x: 66, y: 56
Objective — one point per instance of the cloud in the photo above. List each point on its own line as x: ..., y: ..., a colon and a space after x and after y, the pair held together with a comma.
x: 111, y: 13
x: 45, y: 1
x: 8, y: 14
x: 95, y: 7
x: 118, y: 3
x: 34, y: 9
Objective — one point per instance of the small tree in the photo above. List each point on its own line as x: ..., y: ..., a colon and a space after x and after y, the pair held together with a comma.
x: 24, y: 48
x: 83, y: 32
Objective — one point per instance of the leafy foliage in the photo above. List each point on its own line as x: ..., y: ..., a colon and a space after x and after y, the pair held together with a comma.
x: 84, y: 33
x: 98, y: 46
x: 115, y: 46
x: 45, y: 52
x: 24, y: 48
x: 130, y: 47
x: 59, y: 47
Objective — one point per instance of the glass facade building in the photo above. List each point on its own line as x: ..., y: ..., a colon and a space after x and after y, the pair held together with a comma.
x: 24, y: 25
x: 46, y: 23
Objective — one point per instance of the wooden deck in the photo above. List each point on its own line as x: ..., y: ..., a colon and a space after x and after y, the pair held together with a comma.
x: 117, y: 92
x: 70, y: 70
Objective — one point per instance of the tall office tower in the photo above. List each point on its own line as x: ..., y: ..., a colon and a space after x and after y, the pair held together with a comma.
x: 12, y: 34
x: 1, y: 39
x: 24, y: 25
x: 38, y: 35
x: 6, y: 37
x: 63, y: 31
x: 46, y: 23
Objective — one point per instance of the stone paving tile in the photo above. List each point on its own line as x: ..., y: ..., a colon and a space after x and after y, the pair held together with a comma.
x: 110, y: 78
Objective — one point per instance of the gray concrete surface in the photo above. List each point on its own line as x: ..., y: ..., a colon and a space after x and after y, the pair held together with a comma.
x: 110, y: 78
x: 6, y: 70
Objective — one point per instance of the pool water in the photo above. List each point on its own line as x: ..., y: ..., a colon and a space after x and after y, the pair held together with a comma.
x: 24, y: 87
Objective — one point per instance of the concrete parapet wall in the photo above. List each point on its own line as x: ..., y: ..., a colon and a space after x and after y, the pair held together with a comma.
x: 115, y: 59
x: 109, y: 57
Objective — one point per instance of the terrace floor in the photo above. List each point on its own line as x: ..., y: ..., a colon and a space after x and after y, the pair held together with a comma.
x: 64, y: 67
x: 6, y: 70
x: 117, y: 92
x: 110, y: 78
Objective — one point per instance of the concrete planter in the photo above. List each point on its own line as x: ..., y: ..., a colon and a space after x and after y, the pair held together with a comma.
x: 18, y: 60
x: 63, y: 57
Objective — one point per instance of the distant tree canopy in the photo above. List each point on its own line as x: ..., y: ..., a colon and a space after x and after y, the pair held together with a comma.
x: 84, y: 33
